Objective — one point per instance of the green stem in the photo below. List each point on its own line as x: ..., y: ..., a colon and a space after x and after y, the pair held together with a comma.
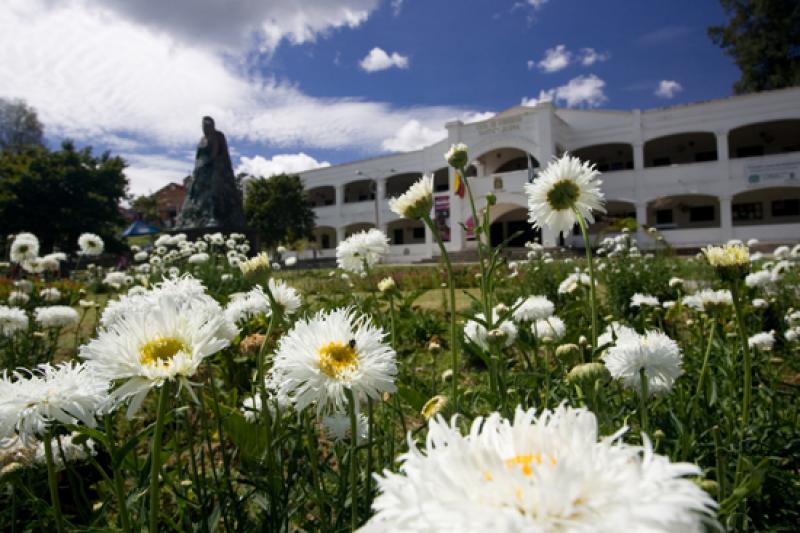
x: 643, y: 399
x: 155, y: 460
x: 353, y: 452
x: 704, y: 370
x: 453, y: 330
x: 116, y: 462
x: 748, y: 379
x: 51, y: 479
x: 592, y: 292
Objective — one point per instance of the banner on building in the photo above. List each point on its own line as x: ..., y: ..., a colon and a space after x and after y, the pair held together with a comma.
x: 441, y: 216
x: 772, y: 174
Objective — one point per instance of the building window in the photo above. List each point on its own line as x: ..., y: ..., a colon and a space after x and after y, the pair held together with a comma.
x: 702, y: 213
x: 786, y: 208
x: 748, y: 211
x: 398, y: 236
x: 419, y: 233
x: 326, y: 242
x: 662, y: 162
x: 663, y: 216
x: 711, y: 155
x: 750, y: 151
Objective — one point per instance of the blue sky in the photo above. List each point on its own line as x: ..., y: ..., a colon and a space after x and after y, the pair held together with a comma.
x: 298, y: 84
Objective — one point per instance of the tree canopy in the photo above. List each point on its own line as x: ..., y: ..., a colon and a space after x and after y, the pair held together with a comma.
x: 60, y: 194
x: 763, y: 38
x: 277, y: 209
x: 19, y: 126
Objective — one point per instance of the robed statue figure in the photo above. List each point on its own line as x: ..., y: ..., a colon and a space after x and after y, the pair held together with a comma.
x: 213, y: 200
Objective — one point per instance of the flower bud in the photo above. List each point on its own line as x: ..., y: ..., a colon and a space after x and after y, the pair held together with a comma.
x: 588, y: 373
x: 433, y: 406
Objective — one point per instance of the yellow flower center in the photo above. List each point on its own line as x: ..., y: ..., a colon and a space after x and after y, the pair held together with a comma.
x: 563, y: 194
x: 161, y: 349
x: 526, y: 462
x: 336, y: 357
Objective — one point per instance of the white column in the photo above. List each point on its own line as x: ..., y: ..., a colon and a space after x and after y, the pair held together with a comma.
x: 641, y: 220
x: 456, y: 218
x: 340, y: 198
x: 722, y: 146
x: 725, y: 218
x: 638, y: 156
x: 429, y: 240
x: 380, y: 198
x: 549, y: 237
x: 340, y: 234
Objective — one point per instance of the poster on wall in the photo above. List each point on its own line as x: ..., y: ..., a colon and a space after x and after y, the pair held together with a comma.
x: 441, y: 216
x: 773, y: 174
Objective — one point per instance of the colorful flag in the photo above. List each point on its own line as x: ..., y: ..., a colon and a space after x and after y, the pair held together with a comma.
x: 458, y: 186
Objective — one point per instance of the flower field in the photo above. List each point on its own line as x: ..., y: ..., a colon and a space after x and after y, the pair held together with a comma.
x: 210, y: 388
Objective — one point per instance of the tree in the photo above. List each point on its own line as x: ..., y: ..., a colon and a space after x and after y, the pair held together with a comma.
x: 277, y: 209
x: 146, y: 207
x: 60, y: 194
x: 19, y: 126
x: 763, y: 37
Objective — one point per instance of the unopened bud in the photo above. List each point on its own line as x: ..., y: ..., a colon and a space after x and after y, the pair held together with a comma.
x: 433, y: 406
x: 566, y: 350
x: 588, y: 373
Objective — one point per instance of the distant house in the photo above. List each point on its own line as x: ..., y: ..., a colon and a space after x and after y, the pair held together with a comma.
x: 169, y: 200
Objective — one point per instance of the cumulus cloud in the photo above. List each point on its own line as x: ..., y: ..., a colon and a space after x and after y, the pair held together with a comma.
x: 590, y: 56
x: 413, y: 135
x: 278, y: 164
x: 98, y: 77
x: 377, y: 59
x: 555, y: 59
x: 149, y: 172
x: 668, y: 89
x: 397, y: 6
x: 237, y: 24
x: 581, y: 91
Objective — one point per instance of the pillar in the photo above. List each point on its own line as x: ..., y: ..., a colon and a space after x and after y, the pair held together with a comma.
x: 380, y: 196
x: 725, y: 218
x: 340, y: 234
x: 722, y: 146
x: 638, y: 156
x: 641, y: 220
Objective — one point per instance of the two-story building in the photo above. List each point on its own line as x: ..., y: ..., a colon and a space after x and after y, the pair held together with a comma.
x: 702, y: 173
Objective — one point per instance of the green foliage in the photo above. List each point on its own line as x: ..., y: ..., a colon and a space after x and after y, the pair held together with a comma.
x: 59, y: 195
x: 19, y: 126
x: 277, y: 209
x: 147, y: 208
x: 763, y: 38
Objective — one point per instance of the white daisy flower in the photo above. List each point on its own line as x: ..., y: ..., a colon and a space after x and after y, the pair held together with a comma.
x: 550, y: 327
x: 656, y: 353
x: 764, y: 341
x: 90, y: 244
x: 417, y: 201
x: 140, y: 256
x: 255, y: 264
x: 321, y: 357
x: 760, y: 303
x: 675, y: 282
x: 249, y: 305
x: 781, y: 252
x: 157, y: 339
x: 17, y: 298
x: 23, y: 285
x: 63, y: 448
x: 644, y: 300
x: 475, y: 331
x: 290, y: 261
x: 12, y: 321
x: 758, y: 279
x: 115, y: 279
x: 706, y: 299
x: 365, y: 247
x: 387, y: 284
x: 56, y: 316
x: 198, y: 258
x: 287, y: 297
x: 573, y: 281
x: 30, y: 402
x: 337, y: 427
x: 532, y: 308
x: 456, y: 156
x: 537, y: 474
x: 24, y: 247
x: 50, y: 294
x: 566, y: 189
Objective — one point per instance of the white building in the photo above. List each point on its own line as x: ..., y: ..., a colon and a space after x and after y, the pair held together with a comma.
x: 701, y: 173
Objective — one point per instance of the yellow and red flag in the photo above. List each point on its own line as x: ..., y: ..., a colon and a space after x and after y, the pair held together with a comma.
x: 458, y: 186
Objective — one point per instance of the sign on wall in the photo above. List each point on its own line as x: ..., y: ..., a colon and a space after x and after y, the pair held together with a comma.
x: 772, y: 174
x: 441, y: 216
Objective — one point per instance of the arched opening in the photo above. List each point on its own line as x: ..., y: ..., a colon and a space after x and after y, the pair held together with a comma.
x: 321, y: 196
x: 686, y: 211
x: 324, y: 237
x: 356, y: 227
x: 773, y: 205
x: 399, y: 183
x: 406, y: 231
x: 359, y: 191
x: 618, y: 214
x: 680, y: 149
x: 506, y: 220
x: 765, y: 138
x: 441, y: 180
x: 505, y: 160
x: 607, y: 157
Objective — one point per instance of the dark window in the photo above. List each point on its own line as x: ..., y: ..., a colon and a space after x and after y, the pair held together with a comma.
x: 398, y: 236
x: 711, y: 155
x: 748, y: 211
x: 664, y: 216
x: 661, y: 161
x: 326, y: 241
x: 786, y: 208
x: 750, y: 151
x: 701, y: 213
x: 419, y: 233
x: 442, y: 186
x: 329, y: 201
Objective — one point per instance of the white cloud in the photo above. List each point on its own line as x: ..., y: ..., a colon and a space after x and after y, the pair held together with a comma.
x: 413, y: 135
x: 581, y: 91
x: 97, y: 77
x: 237, y: 24
x: 531, y: 64
x: 377, y: 59
x: 668, y: 88
x: 555, y: 59
x: 278, y: 164
x: 397, y: 6
x: 590, y: 56
x: 148, y: 173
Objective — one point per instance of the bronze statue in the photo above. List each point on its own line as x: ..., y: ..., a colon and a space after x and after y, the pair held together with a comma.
x: 213, y: 200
